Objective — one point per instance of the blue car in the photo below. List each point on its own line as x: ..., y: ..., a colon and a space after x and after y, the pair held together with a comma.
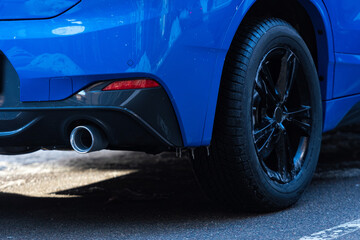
x: 247, y: 86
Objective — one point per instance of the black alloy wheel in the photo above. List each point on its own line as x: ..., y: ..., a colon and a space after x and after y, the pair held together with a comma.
x: 281, y: 122
x: 268, y: 124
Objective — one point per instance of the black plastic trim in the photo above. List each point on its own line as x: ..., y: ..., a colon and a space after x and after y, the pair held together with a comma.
x: 139, y: 119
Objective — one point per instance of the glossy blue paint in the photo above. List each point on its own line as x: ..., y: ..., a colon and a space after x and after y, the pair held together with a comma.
x: 325, y: 44
x: 345, y: 19
x: 345, y: 16
x: 181, y: 44
x: 347, y: 75
x: 33, y: 9
x: 102, y: 39
x: 60, y: 88
x: 336, y: 109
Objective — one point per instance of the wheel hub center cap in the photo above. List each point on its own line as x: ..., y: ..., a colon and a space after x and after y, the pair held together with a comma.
x: 278, y: 115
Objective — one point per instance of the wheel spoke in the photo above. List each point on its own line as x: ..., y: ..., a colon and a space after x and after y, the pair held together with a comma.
x: 264, y: 131
x: 265, y: 72
x: 293, y: 69
x: 304, y: 127
x: 287, y: 74
x: 302, y: 110
x: 291, y: 155
x: 266, y: 146
x: 269, y: 144
x: 260, y: 89
x: 302, y: 114
x: 284, y: 157
x: 267, y: 83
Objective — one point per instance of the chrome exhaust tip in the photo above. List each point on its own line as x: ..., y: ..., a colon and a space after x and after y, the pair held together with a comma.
x: 85, y: 139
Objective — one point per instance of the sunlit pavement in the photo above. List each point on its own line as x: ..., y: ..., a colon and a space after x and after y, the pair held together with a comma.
x: 109, y: 195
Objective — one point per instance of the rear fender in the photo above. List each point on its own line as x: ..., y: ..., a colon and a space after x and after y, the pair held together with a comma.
x: 321, y: 21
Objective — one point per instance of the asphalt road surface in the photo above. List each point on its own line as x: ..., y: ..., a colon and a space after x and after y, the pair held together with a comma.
x: 124, y: 195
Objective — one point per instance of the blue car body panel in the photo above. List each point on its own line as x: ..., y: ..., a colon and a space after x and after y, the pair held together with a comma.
x: 345, y: 19
x: 143, y: 38
x: 181, y: 44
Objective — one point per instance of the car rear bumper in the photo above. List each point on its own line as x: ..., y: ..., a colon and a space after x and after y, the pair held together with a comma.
x: 140, y: 119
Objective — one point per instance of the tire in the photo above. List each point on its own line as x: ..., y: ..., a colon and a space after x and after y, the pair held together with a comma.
x: 268, y: 124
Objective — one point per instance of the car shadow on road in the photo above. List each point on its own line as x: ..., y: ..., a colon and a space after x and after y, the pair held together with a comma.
x: 157, y: 191
x: 160, y: 189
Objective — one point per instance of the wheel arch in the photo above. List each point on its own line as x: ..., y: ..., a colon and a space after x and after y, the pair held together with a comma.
x: 317, y: 33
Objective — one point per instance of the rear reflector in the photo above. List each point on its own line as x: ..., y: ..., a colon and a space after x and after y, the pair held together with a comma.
x: 131, y: 84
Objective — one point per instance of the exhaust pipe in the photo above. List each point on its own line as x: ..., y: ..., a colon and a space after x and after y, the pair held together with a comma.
x: 85, y: 139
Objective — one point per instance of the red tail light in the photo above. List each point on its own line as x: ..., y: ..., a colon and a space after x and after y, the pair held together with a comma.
x: 131, y: 84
